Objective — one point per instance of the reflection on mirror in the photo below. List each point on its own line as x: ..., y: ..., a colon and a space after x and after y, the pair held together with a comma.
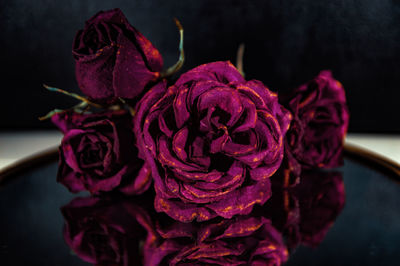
x: 118, y: 230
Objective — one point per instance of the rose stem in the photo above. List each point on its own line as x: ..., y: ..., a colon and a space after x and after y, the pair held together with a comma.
x: 175, y: 68
x: 132, y: 111
x: 74, y: 95
x: 239, y: 59
x: 76, y: 108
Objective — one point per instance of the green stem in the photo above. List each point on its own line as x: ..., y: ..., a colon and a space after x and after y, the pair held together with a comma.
x: 50, y: 114
x: 178, y: 65
x: 239, y: 59
x: 76, y: 108
x: 132, y: 111
x: 73, y: 95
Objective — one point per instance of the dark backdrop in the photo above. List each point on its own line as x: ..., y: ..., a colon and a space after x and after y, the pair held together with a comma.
x: 287, y: 43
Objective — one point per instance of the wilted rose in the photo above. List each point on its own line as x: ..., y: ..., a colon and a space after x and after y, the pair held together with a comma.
x: 319, y: 125
x: 212, y: 140
x: 98, y: 153
x: 113, y: 59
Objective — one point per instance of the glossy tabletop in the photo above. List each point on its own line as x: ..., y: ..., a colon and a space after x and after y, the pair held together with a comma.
x: 366, y: 231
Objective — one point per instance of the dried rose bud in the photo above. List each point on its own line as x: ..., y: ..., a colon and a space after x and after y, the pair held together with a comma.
x: 113, y: 59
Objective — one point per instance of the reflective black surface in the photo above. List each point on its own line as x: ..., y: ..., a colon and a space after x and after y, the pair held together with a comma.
x: 366, y: 232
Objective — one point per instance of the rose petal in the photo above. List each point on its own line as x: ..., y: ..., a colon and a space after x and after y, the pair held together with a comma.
x: 181, y: 110
x: 166, y: 158
x: 140, y: 183
x: 242, y: 200
x: 183, y: 212
x: 130, y: 75
x: 223, y: 72
x: 93, y: 74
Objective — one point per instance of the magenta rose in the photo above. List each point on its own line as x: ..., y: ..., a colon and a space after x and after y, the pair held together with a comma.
x: 238, y: 241
x: 98, y: 153
x: 113, y: 59
x: 319, y: 125
x: 107, y: 231
x: 212, y: 141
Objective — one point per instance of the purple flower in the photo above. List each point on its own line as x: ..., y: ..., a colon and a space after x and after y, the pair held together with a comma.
x: 98, y: 153
x: 212, y: 141
x: 319, y: 125
x: 244, y: 240
x: 113, y: 59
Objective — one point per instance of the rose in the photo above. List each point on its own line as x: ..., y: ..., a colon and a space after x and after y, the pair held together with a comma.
x: 212, y: 140
x: 106, y: 231
x: 319, y: 125
x: 97, y: 153
x: 113, y: 59
x: 242, y: 241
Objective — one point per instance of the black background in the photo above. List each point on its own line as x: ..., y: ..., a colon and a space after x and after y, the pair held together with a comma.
x: 287, y: 43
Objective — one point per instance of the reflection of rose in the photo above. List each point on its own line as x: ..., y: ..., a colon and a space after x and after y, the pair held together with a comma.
x: 212, y: 140
x: 113, y: 59
x: 306, y: 212
x: 319, y: 125
x: 105, y: 232
x: 129, y: 232
x: 321, y: 200
x: 98, y: 154
x: 238, y: 241
x: 118, y: 231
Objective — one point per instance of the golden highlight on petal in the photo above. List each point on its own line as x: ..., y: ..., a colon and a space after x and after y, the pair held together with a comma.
x: 245, y: 230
